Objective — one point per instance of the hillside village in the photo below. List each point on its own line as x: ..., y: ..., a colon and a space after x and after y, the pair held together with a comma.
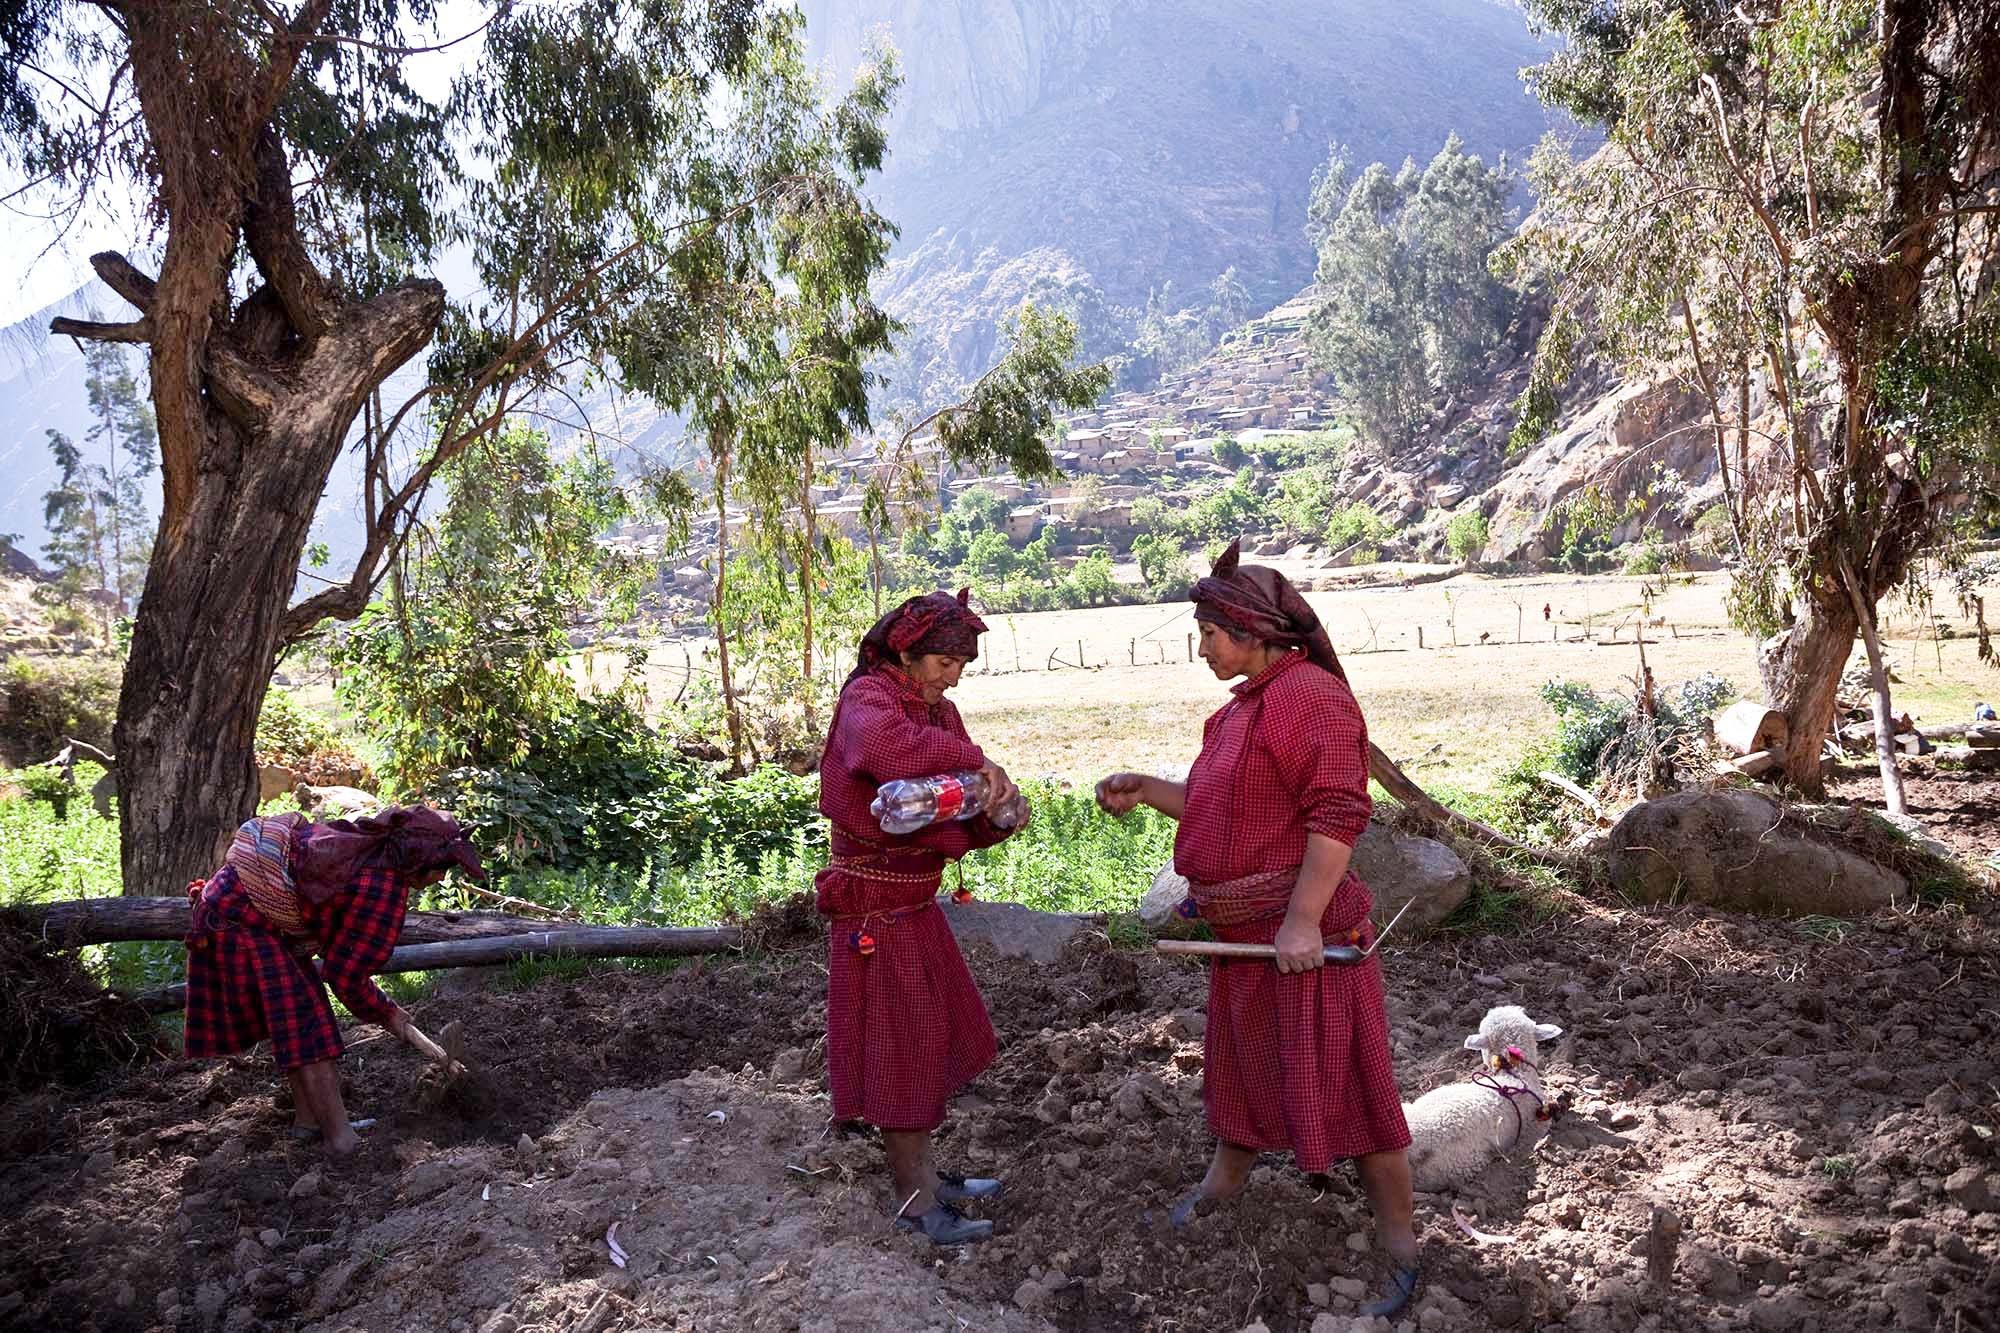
x: 1259, y: 389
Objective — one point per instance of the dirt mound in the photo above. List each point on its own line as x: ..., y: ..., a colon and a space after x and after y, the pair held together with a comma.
x: 733, y: 1207
x: 1813, y: 1100
x: 56, y: 1023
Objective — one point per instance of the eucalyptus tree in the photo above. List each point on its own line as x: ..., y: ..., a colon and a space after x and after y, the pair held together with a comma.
x: 1799, y: 198
x: 304, y: 185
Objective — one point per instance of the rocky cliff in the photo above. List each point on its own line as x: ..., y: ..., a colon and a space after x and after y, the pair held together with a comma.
x: 1130, y: 143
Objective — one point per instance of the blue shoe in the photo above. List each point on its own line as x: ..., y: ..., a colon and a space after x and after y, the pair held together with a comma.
x: 943, y: 1226
x: 1402, y: 1290
x: 965, y: 1189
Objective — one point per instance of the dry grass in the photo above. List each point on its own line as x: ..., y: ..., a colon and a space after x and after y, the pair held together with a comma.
x: 1463, y: 714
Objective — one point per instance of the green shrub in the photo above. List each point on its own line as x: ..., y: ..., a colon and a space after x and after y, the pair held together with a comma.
x: 1467, y: 535
x: 291, y: 737
x: 1357, y: 523
x: 1604, y: 740
x: 42, y: 703
x: 1647, y: 557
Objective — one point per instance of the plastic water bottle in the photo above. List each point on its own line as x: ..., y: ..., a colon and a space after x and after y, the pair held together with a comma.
x: 908, y: 804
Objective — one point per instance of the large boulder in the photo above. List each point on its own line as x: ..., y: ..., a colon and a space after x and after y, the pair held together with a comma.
x: 1733, y: 849
x: 1398, y: 868
x: 274, y: 780
x: 1011, y: 929
x: 1404, y: 868
x: 333, y: 802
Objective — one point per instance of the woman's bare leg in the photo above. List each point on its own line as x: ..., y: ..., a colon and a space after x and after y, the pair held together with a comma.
x: 317, y: 1086
x: 1386, y: 1177
x: 909, y: 1153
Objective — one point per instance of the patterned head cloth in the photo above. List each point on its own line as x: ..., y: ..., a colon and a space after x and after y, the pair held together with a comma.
x: 937, y: 622
x: 1259, y: 601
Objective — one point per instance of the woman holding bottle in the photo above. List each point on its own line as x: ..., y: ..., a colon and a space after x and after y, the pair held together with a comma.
x: 905, y: 1024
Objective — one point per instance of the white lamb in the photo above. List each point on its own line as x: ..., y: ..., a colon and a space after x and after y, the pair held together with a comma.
x: 1457, y: 1129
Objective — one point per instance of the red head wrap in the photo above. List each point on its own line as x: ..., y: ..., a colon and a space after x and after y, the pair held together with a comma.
x: 937, y: 622
x: 1259, y: 601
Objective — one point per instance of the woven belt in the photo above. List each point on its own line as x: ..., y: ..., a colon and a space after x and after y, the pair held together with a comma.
x: 870, y: 867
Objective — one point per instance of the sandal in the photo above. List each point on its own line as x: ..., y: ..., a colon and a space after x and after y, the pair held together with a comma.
x: 964, y: 1189
x: 1402, y: 1290
x: 1196, y: 1204
x: 307, y: 1133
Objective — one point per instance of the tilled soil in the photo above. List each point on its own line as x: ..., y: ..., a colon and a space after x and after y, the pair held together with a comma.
x: 1815, y: 1104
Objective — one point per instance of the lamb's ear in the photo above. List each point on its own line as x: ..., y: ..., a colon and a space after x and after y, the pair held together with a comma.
x: 1473, y: 1043
x: 1547, y: 1032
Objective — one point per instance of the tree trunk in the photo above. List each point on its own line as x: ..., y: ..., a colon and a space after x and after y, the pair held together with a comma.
x: 810, y: 516
x: 579, y: 942
x: 208, y: 630
x: 716, y: 606
x: 1801, y: 669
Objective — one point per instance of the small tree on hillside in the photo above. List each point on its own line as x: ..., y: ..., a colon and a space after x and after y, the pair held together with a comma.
x: 1408, y: 309
x: 1466, y: 535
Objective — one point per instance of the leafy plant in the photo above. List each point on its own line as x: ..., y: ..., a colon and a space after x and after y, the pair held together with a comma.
x: 1466, y: 535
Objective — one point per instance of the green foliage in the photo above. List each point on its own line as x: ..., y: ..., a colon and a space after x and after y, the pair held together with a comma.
x: 48, y: 783
x: 1164, y: 566
x: 1310, y: 468
x: 46, y: 857
x: 44, y: 703
x: 1358, y: 523
x: 1647, y: 557
x: 1608, y: 742
x: 1223, y: 513
x: 293, y: 738
x: 1466, y: 535
x: 1540, y: 403
x: 1230, y: 452
x: 1584, y: 522
x: 99, y: 535
x: 465, y: 670
x: 1408, y: 309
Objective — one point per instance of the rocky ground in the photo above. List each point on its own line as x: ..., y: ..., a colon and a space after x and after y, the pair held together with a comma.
x: 1815, y: 1102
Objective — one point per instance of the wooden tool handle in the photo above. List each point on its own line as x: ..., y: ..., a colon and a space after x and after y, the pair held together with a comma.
x: 1219, y: 949
x: 415, y: 1036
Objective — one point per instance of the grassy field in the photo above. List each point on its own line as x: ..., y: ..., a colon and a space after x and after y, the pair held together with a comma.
x: 1461, y: 714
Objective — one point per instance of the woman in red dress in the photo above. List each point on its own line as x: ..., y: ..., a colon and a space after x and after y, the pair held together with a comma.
x: 1296, y: 1052
x: 905, y: 1025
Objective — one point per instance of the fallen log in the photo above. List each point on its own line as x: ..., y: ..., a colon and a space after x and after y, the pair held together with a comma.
x: 577, y: 942
x: 1980, y: 759
x: 105, y: 920
x: 1399, y: 785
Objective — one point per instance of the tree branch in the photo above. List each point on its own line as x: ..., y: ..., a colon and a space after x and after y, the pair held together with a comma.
x: 245, y: 391
x: 120, y: 276
x: 270, y: 229
x: 138, y: 331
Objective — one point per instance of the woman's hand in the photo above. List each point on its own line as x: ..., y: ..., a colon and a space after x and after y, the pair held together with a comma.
x: 1000, y: 788
x: 1121, y: 793
x: 1300, y: 948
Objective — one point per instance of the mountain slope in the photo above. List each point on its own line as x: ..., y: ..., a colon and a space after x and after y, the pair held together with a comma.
x: 1132, y: 143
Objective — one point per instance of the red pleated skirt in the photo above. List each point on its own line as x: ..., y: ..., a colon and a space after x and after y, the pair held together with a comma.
x: 1301, y: 1061
x: 905, y: 1025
